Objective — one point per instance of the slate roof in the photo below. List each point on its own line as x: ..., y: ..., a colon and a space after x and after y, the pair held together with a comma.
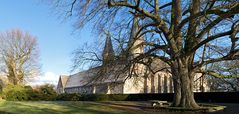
x: 94, y: 76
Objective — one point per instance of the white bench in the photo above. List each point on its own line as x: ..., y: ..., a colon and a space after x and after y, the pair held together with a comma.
x: 158, y: 103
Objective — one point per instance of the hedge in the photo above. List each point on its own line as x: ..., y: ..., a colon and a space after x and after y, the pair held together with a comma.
x: 91, y: 97
x: 226, y: 97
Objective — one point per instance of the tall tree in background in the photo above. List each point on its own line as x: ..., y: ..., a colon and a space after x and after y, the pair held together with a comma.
x: 19, y: 56
x: 177, y: 32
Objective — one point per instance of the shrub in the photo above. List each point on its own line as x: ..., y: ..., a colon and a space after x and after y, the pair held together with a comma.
x: 91, y: 97
x: 16, y: 92
x: 69, y: 97
x: 45, y: 92
x: 104, y: 97
x: 34, y: 96
x: 118, y: 97
x: 83, y: 97
x: 20, y: 93
x: 100, y: 97
x: 94, y: 97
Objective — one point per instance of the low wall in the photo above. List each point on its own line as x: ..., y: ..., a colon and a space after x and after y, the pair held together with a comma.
x: 219, y: 97
x: 226, y: 97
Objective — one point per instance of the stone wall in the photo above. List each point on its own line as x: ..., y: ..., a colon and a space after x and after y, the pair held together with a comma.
x: 134, y: 85
x: 101, y: 89
x: 116, y: 88
x: 161, y: 82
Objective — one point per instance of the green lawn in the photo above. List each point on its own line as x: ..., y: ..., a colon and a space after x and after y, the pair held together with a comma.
x: 58, y: 107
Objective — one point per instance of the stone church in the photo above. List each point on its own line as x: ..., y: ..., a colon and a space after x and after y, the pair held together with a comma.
x: 115, y: 79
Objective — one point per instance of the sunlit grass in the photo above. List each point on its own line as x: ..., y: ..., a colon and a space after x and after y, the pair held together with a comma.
x: 57, y: 107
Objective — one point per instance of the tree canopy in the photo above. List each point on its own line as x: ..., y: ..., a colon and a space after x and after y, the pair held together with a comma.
x: 175, y: 31
x: 19, y: 56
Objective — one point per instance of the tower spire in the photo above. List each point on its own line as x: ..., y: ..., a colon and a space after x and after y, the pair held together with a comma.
x: 135, y: 42
x: 108, y: 52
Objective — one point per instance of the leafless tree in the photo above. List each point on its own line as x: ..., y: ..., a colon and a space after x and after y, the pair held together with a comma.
x: 175, y: 31
x: 87, y: 56
x: 225, y: 68
x: 19, y: 56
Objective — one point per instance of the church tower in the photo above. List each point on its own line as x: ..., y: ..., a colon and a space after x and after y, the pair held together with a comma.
x: 136, y: 46
x: 108, y: 52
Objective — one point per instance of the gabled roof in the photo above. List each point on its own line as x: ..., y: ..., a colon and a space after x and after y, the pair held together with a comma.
x: 62, y: 80
x: 94, y: 76
x: 81, y: 78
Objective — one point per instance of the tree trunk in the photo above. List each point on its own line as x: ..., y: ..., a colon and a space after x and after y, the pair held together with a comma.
x: 177, y: 87
x: 183, y: 85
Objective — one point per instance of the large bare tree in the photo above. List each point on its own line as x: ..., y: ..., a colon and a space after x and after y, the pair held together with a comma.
x: 178, y: 32
x: 19, y: 56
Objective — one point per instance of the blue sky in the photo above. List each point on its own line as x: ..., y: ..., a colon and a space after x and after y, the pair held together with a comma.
x: 56, y: 38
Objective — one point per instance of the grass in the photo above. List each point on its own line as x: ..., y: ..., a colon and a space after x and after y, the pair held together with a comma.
x: 81, y: 107
x: 57, y: 107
